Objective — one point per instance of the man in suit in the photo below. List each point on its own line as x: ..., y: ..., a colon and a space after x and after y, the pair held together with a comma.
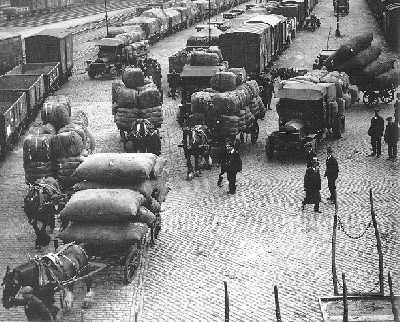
x: 231, y: 164
x: 376, y: 132
x: 331, y: 172
x: 312, y: 186
x: 391, y: 138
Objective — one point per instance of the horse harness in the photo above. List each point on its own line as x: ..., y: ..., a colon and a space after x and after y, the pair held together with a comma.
x: 43, y: 188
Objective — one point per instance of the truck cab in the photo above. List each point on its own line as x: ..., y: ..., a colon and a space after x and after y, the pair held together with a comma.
x: 322, y: 57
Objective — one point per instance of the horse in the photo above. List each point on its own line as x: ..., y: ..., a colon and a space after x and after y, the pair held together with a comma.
x: 196, y: 143
x: 47, y: 275
x: 42, y: 202
x: 144, y: 137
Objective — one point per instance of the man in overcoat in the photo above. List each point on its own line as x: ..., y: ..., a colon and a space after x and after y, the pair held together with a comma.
x: 312, y: 186
x: 309, y: 154
x: 231, y: 163
x: 331, y: 173
x: 375, y: 131
x: 391, y: 137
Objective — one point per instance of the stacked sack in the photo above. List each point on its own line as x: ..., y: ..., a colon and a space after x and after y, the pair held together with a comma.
x: 364, y: 63
x: 134, y: 98
x: 141, y: 172
x: 232, y: 100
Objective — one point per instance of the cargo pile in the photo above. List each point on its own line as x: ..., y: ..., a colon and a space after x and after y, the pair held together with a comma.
x: 231, y: 99
x: 56, y: 148
x: 116, y: 192
x: 364, y: 63
x: 136, y: 97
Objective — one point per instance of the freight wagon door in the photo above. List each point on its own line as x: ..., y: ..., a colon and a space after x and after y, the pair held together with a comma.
x: 69, y: 49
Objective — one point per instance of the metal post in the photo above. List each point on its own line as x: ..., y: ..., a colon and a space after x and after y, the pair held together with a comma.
x: 209, y: 22
x: 334, y: 274
x: 105, y: 8
x: 378, y: 245
x: 394, y: 308
x: 345, y: 306
x: 277, y: 307
x: 226, y: 302
x: 337, y: 33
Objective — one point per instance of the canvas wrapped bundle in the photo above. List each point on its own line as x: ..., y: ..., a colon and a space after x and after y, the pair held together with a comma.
x: 390, y: 79
x: 104, y: 234
x: 240, y: 73
x: 378, y: 67
x: 200, y: 102
x: 126, y: 97
x: 228, y: 103
x: 223, y: 81
x: 253, y: 87
x: 215, y: 50
x: 230, y: 125
x: 361, y: 60
x: 56, y: 113
x: 78, y: 129
x: 202, y: 58
x: 65, y: 169
x: 42, y: 129
x: 62, y: 99
x: 114, y: 31
x: 145, y: 187
x: 149, y: 96
x: 133, y: 77
x: 35, y: 170
x: 117, y: 168
x: 66, y: 144
x: 37, y: 148
x: 103, y: 205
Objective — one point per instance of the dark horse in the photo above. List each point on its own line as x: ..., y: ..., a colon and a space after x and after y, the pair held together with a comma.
x: 43, y: 201
x: 46, y: 275
x: 143, y: 137
x: 196, y: 143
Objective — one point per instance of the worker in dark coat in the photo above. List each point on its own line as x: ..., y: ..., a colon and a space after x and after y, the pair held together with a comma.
x: 173, y: 80
x: 397, y: 109
x: 309, y: 154
x: 268, y: 92
x: 312, y: 186
x: 331, y: 173
x: 231, y: 164
x: 391, y: 137
x: 376, y: 132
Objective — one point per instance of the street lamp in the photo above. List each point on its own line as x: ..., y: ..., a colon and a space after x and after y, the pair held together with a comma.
x: 105, y: 9
x: 337, y: 32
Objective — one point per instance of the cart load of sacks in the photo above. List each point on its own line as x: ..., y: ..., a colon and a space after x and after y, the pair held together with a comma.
x: 135, y: 97
x: 364, y: 63
x: 57, y: 147
x: 119, y: 195
x: 231, y: 100
x: 339, y: 93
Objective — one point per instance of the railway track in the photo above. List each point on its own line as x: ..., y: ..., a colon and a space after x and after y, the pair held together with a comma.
x: 70, y: 13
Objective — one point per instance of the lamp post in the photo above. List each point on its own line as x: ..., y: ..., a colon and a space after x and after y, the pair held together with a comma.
x: 209, y: 22
x: 337, y: 32
x: 105, y: 8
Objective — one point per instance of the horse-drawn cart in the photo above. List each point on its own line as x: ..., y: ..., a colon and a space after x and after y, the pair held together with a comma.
x: 372, y: 95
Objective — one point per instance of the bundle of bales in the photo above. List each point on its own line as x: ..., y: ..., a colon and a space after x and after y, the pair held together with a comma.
x: 235, y: 106
x: 135, y: 98
x: 204, y: 58
x: 364, y: 64
x: 144, y: 173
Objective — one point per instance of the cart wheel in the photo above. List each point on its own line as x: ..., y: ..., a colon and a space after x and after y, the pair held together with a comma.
x: 132, y: 263
x: 255, y: 132
x: 269, y: 149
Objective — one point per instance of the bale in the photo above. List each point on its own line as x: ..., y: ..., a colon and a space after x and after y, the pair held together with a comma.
x: 153, y: 205
x: 226, y: 103
x: 42, y: 129
x: 201, y: 58
x: 72, y: 127
x: 254, y: 87
x: 378, y: 67
x: 126, y: 97
x: 115, y: 168
x: 354, y: 92
x: 66, y: 144
x: 223, y: 81
x: 347, y: 100
x: 388, y: 80
x: 60, y: 99
x: 104, y: 234
x: 36, y: 170
x: 200, y: 102
x: 145, y: 216
x: 145, y: 188
x: 160, y: 188
x: 80, y: 117
x: 37, y: 148
x: 215, y: 50
x: 133, y: 77
x: 102, y: 205
x: 361, y: 60
x: 148, y: 96
x: 115, y: 88
x: 240, y: 73
x: 55, y: 113
x: 114, y: 31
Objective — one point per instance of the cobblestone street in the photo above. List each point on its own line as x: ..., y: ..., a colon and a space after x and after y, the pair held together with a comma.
x: 254, y: 239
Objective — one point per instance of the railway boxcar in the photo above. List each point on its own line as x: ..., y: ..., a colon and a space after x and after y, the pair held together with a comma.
x: 10, y: 51
x: 31, y: 85
x: 51, y: 45
x: 391, y: 25
x: 13, y: 112
x: 160, y: 15
x: 50, y: 72
x: 301, y: 9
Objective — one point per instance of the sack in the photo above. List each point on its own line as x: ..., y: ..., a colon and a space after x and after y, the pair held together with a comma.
x: 133, y: 77
x: 223, y: 81
x: 149, y: 96
x: 66, y: 144
x: 37, y: 148
x: 200, y: 102
x: 201, y: 58
x: 104, y: 234
x: 227, y: 103
x: 58, y: 114
x: 115, y: 168
x: 42, y: 129
x: 160, y: 188
x: 60, y: 99
x: 158, y: 167
x: 145, y: 187
x: 240, y: 73
x: 126, y: 97
x: 74, y: 128
x: 145, y: 216
x: 102, y: 205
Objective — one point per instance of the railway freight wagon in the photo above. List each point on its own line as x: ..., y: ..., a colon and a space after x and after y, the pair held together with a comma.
x: 10, y: 52
x: 391, y: 25
x: 51, y: 45
x: 249, y: 46
x: 13, y: 112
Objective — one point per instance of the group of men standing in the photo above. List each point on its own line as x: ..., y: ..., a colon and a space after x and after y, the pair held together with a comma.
x: 390, y: 133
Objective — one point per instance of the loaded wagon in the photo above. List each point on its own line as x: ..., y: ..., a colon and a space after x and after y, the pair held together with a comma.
x: 50, y: 72
x: 31, y: 85
x: 10, y: 52
x: 51, y: 45
x: 13, y: 109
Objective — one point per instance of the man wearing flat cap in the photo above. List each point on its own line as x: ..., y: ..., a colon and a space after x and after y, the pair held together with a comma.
x: 331, y: 173
x: 375, y: 132
x: 391, y: 137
